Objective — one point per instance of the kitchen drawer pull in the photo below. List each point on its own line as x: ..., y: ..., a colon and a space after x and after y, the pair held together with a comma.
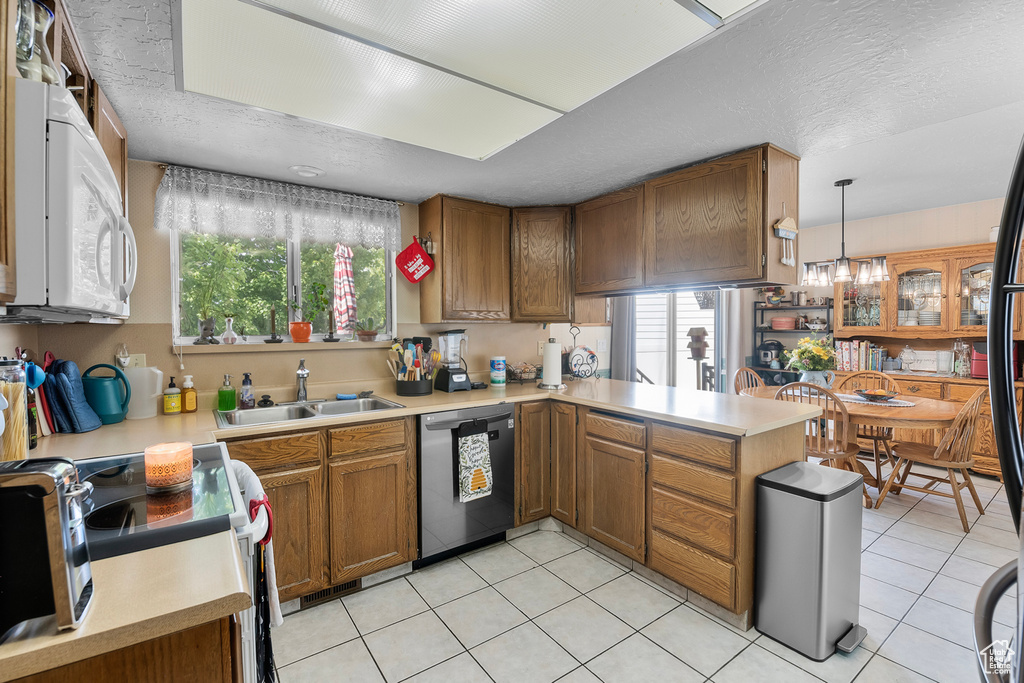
x: 914, y: 389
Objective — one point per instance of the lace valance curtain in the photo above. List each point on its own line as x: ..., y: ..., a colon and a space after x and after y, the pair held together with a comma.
x: 191, y: 200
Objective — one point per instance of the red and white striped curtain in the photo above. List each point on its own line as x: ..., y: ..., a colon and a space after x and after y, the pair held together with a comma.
x: 344, y: 290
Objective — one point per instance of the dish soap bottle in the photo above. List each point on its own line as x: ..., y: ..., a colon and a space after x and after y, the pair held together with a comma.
x: 247, y: 399
x: 172, y: 399
x: 226, y: 395
x: 189, y: 401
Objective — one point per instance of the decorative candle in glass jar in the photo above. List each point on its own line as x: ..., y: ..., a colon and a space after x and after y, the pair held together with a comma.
x: 169, y: 466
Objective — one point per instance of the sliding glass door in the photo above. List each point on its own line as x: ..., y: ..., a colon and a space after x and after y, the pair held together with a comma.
x: 662, y: 323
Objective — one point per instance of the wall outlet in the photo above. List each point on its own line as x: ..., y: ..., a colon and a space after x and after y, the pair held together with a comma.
x: 540, y: 348
x: 137, y: 360
x: 602, y: 345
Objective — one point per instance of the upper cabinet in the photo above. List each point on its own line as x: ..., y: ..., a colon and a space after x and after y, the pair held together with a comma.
x: 609, y: 230
x: 67, y: 51
x: 471, y: 280
x: 8, y: 12
x: 541, y: 256
x: 111, y: 134
x: 592, y: 310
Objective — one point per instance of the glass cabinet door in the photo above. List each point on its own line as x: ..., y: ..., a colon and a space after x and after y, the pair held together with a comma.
x: 972, y: 281
x: 920, y: 291
x: 860, y: 308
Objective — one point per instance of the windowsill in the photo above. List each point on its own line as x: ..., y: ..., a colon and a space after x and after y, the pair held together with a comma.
x: 260, y: 347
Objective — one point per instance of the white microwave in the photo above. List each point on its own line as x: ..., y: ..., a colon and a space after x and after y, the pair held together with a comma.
x: 75, y: 252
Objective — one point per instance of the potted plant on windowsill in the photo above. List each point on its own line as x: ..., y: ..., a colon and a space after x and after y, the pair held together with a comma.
x: 315, y: 303
x: 366, y: 330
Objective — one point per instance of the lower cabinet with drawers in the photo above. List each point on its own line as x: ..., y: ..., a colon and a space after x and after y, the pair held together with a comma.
x: 344, y: 500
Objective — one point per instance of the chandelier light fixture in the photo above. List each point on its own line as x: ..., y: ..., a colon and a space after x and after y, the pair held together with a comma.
x: 869, y: 270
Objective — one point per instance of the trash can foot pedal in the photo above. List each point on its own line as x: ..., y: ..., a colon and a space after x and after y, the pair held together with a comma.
x: 854, y: 637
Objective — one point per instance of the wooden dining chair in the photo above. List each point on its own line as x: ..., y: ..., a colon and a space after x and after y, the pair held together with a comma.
x: 746, y: 378
x: 829, y: 437
x: 953, y: 453
x: 880, y: 437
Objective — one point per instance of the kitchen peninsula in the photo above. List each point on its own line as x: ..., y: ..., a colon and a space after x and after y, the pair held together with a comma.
x: 659, y: 478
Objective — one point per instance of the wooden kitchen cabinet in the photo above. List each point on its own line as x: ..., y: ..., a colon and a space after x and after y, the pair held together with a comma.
x: 608, y: 242
x: 8, y: 279
x: 113, y: 138
x: 471, y: 279
x: 713, y: 222
x: 611, y: 487
x: 591, y: 310
x: 290, y: 467
x: 67, y: 51
x: 563, y: 463
x: 541, y: 258
x: 533, y: 462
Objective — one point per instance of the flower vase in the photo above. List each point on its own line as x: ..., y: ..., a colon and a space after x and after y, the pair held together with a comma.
x: 823, y: 378
x: 229, y: 336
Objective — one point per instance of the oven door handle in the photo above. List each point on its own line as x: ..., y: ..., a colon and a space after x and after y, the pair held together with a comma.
x: 455, y: 424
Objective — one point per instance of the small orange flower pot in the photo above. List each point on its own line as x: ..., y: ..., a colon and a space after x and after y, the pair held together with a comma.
x: 300, y: 331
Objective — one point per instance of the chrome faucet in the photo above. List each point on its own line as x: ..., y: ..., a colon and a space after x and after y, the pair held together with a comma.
x: 303, y: 375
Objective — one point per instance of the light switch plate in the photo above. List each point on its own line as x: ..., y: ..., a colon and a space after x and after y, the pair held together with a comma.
x: 602, y: 345
x: 137, y: 360
x: 540, y: 348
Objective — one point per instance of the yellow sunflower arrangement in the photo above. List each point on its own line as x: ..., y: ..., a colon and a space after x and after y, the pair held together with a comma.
x: 812, y: 353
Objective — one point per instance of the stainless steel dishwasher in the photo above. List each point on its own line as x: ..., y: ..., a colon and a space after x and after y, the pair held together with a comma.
x: 448, y: 526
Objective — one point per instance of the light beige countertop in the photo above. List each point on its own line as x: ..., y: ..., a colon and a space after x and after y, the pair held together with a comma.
x: 138, y: 597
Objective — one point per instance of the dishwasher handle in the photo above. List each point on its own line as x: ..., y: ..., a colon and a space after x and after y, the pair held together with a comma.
x: 455, y: 424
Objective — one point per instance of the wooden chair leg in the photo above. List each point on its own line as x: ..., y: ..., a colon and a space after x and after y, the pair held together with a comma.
x: 959, y: 500
x: 906, y: 473
x: 878, y: 462
x: 888, y: 482
x: 974, y: 492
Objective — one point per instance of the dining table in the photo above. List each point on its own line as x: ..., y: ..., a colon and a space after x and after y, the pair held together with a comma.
x: 925, y: 413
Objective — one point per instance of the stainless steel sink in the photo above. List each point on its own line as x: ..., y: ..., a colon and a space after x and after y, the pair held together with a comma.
x: 299, y: 411
x: 358, y: 405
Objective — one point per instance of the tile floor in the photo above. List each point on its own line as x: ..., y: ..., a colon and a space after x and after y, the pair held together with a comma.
x: 543, y: 607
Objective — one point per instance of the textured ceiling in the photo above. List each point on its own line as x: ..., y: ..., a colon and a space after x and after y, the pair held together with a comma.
x: 858, y: 88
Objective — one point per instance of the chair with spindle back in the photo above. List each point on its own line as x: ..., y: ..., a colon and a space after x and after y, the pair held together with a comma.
x: 953, y: 453
x: 746, y: 378
x: 829, y: 437
x: 880, y: 437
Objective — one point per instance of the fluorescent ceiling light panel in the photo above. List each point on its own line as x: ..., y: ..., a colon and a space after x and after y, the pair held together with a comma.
x: 561, y: 53
x: 467, y: 77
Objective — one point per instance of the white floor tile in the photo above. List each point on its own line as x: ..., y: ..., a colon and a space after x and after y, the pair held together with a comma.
x: 584, y: 628
x: 633, y: 601
x: 983, y: 552
x: 967, y: 570
x: 310, y: 631
x: 412, y: 646
x: 877, y: 522
x: 757, y: 664
x: 953, y: 592
x: 932, y: 538
x: 879, y: 627
x: 383, y: 605
x: 947, y: 507
x: 997, y: 521
x: 480, y: 616
x: 942, y: 620
x: 930, y: 655
x: 524, y: 655
x: 498, y: 562
x: 694, y: 638
x: 998, y: 537
x: 352, y: 658
x: 544, y: 546
x: 839, y: 668
x: 885, y: 598
x: 444, y: 582
x: 580, y: 675
x: 460, y: 669
x: 900, y: 574
x: 867, y: 538
x: 638, y: 660
x: 911, y: 553
x: 881, y: 670
x: 536, y: 591
x: 931, y: 520
x: 584, y: 570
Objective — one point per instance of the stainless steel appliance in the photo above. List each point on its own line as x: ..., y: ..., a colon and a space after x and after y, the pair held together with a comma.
x: 453, y: 374
x: 1001, y: 660
x: 44, y: 556
x: 769, y: 350
x: 448, y: 526
x: 808, y: 558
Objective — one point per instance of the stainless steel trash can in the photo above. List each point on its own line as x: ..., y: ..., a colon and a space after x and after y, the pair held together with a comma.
x: 808, y: 558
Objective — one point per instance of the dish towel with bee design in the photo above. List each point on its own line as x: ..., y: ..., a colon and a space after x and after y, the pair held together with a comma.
x: 475, y: 477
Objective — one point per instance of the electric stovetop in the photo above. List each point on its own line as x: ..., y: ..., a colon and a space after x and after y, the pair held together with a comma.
x: 120, y: 517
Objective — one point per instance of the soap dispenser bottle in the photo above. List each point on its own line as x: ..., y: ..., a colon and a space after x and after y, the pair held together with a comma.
x: 172, y: 399
x: 247, y: 399
x: 189, y: 399
x: 226, y: 395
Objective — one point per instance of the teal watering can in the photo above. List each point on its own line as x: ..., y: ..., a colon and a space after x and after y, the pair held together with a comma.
x: 108, y: 396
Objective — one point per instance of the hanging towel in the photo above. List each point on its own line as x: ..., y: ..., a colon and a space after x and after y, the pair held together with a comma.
x: 344, y: 290
x: 252, y: 489
x: 475, y: 477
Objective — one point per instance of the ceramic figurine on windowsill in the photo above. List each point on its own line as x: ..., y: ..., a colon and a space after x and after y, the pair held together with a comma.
x: 206, y: 326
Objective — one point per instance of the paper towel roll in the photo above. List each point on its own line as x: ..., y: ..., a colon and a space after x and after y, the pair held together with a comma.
x: 551, y: 375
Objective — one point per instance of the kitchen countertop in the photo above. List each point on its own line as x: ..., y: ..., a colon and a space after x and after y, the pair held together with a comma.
x: 722, y: 413
x: 138, y: 596
x: 153, y: 592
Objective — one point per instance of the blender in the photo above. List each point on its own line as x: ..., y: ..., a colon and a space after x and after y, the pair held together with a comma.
x: 453, y: 374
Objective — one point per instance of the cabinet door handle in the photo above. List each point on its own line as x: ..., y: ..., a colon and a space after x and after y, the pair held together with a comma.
x: 914, y: 389
x: 943, y: 296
